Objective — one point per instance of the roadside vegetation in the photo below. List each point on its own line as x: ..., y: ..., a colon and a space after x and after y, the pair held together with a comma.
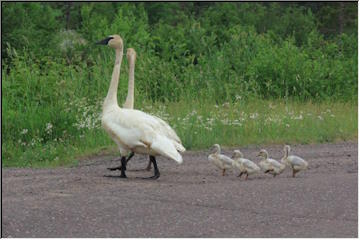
x: 230, y: 73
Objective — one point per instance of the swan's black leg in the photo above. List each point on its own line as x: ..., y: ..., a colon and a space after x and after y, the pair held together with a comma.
x: 130, y: 156
x: 123, y: 167
x: 119, y: 167
x: 156, y: 170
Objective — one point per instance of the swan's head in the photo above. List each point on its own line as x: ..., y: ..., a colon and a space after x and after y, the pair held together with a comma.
x: 131, y: 54
x: 215, y: 148
x: 263, y: 153
x: 286, y: 148
x: 237, y: 154
x: 113, y: 41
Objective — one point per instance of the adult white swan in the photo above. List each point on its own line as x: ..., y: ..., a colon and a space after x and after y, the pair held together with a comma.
x: 133, y: 130
x: 129, y: 102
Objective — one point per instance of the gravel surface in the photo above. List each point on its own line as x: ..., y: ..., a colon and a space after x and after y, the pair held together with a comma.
x: 188, y: 200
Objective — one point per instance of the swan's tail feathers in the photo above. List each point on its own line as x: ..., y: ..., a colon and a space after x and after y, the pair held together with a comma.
x: 165, y: 147
x: 306, y: 165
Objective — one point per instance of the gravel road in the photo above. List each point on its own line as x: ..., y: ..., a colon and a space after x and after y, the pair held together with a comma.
x: 188, y: 200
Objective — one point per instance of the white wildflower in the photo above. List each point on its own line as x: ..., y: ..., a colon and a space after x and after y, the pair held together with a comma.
x: 48, y: 128
x: 24, y: 131
x: 254, y: 115
x: 300, y: 117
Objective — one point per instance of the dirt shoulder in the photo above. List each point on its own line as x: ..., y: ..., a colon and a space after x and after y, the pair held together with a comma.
x: 188, y: 200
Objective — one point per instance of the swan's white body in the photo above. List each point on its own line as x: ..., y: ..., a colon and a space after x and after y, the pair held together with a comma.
x: 245, y: 166
x: 219, y: 160
x: 269, y: 165
x: 294, y: 162
x: 134, y: 130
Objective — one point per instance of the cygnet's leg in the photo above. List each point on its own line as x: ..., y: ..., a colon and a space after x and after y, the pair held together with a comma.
x: 241, y: 173
x: 223, y: 173
x: 119, y: 167
x: 156, y: 170
x: 247, y: 175
x: 294, y: 172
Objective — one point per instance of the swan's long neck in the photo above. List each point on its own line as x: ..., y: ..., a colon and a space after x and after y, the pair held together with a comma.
x: 129, y: 103
x: 111, y: 97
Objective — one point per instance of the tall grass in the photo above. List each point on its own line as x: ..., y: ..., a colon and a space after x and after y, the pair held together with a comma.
x: 198, y: 124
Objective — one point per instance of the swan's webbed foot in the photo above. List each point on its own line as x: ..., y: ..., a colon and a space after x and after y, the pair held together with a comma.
x: 156, y: 176
x: 114, y: 168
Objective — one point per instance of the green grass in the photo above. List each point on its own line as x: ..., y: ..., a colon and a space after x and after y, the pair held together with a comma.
x: 199, y: 125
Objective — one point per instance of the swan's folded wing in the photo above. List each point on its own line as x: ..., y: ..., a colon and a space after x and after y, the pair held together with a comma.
x: 138, y: 118
x: 226, y: 159
x: 275, y: 163
x: 165, y: 147
x: 297, y: 161
x: 129, y: 137
x: 167, y: 129
x: 251, y: 165
x: 264, y: 165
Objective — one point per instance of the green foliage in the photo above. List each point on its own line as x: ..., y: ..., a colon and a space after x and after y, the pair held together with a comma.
x: 54, y: 77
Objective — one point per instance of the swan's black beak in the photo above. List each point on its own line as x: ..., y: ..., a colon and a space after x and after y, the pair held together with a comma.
x: 104, y: 41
